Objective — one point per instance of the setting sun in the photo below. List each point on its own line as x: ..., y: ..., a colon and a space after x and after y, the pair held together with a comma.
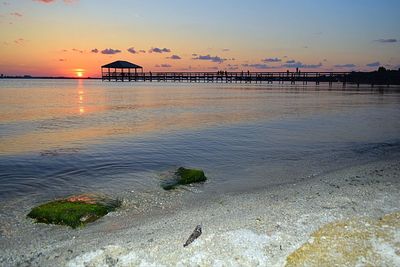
x: 79, y: 72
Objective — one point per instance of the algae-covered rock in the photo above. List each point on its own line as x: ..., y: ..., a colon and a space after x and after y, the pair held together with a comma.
x: 74, y: 211
x: 355, y: 242
x: 184, y: 176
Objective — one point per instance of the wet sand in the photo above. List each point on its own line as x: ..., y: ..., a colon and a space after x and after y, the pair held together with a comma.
x: 260, y: 228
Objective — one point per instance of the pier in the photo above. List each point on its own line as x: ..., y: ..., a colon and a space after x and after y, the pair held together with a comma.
x: 122, y: 71
x: 228, y: 77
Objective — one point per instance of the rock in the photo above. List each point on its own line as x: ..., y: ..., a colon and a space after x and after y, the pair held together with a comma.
x: 196, y: 233
x: 74, y: 211
x: 184, y: 176
x: 354, y: 242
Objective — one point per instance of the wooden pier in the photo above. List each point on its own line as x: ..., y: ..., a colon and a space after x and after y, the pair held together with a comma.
x: 228, y: 77
x: 123, y: 71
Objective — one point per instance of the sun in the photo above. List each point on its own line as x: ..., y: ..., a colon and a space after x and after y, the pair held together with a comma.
x: 79, y: 72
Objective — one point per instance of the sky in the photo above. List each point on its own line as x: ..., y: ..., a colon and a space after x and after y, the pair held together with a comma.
x: 76, y: 37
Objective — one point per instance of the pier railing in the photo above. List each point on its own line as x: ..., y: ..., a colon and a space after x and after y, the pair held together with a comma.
x: 243, y: 77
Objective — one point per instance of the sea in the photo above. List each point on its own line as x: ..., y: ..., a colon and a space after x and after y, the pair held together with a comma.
x: 62, y: 137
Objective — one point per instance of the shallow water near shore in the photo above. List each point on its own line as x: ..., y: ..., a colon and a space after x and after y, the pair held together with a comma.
x: 60, y: 137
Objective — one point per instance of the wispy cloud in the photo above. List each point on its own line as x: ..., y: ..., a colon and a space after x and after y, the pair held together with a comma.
x: 232, y: 66
x: 216, y: 59
x: 62, y: 60
x: 349, y: 65
x: 299, y: 64
x: 110, y: 51
x: 258, y: 66
x: 163, y: 66
x: 52, y: 1
x: 390, y: 40
x: 174, y: 57
x: 275, y: 59
x: 95, y: 50
x: 159, y: 50
x: 44, y: 1
x: 225, y: 50
x: 77, y: 50
x: 19, y: 41
x: 16, y: 14
x: 290, y: 61
x: 373, y: 64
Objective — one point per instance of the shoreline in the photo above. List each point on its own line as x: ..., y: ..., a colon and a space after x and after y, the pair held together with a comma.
x: 257, y: 228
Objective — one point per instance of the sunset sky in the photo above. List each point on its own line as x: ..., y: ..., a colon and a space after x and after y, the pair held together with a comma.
x: 76, y: 37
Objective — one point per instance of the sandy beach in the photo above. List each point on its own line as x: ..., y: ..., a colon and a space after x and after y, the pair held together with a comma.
x: 245, y: 229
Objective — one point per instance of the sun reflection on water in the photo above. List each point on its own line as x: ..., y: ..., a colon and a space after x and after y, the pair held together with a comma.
x: 81, y: 94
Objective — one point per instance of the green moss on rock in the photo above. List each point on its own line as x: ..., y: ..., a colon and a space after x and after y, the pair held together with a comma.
x: 184, y: 176
x: 74, y: 211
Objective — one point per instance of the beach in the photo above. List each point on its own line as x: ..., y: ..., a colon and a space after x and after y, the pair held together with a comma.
x: 260, y: 228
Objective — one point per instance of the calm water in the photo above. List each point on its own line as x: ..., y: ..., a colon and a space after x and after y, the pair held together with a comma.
x: 59, y: 137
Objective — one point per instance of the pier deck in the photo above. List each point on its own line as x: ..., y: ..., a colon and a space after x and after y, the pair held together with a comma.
x: 243, y: 77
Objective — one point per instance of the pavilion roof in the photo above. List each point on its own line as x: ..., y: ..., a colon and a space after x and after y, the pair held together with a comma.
x: 120, y: 64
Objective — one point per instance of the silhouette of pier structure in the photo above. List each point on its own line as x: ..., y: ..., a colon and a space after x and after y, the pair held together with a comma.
x: 122, y: 71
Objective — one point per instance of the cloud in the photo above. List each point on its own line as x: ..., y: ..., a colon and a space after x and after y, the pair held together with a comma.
x: 213, y: 68
x: 51, y: 1
x: 132, y: 50
x: 232, y: 67
x: 20, y: 41
x: 373, y: 64
x: 194, y: 55
x: 258, y: 66
x: 174, y: 57
x: 62, y: 60
x: 159, y: 50
x: 163, y: 66
x: 225, y: 50
x: 16, y: 14
x: 77, y: 50
x: 271, y: 60
x: 391, y: 40
x: 345, y: 66
x: 142, y: 51
x: 44, y: 1
x: 298, y: 64
x: 290, y: 61
x: 110, y: 51
x: 216, y: 59
x: 95, y: 50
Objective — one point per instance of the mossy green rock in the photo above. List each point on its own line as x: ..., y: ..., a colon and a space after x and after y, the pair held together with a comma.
x: 354, y: 242
x: 74, y: 211
x: 184, y: 176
